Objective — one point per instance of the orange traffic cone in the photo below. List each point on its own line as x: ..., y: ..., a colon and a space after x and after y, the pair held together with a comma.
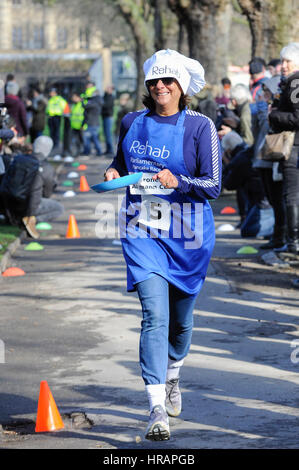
x: 13, y: 272
x: 228, y: 210
x: 82, y: 167
x: 48, y: 417
x: 72, y: 229
x: 83, y: 184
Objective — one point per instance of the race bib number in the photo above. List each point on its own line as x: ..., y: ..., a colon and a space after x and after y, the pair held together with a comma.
x: 155, y: 212
x: 149, y: 186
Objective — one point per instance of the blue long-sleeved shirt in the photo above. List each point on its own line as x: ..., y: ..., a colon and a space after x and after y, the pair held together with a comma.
x: 202, y: 153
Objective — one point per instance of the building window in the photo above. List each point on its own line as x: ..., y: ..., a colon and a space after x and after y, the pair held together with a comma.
x: 84, y: 38
x: 38, y: 41
x: 61, y: 38
x: 17, y: 37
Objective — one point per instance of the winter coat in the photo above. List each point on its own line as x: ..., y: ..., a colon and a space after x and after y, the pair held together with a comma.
x: 16, y: 109
x: 285, y: 113
x: 245, y: 129
x: 38, y: 109
x: 43, y: 185
x: 92, y: 111
x: 108, y: 105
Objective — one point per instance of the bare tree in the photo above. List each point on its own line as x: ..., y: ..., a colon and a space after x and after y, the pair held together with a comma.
x: 139, y: 16
x: 272, y: 25
x: 207, y: 24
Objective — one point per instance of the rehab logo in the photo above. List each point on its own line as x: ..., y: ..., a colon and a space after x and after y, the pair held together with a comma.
x: 140, y: 148
x: 165, y: 71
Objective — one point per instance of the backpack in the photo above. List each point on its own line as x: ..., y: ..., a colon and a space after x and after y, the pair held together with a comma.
x: 17, y: 182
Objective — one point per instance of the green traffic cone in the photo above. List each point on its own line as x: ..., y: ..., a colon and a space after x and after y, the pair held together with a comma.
x: 247, y: 250
x: 34, y: 246
x: 44, y: 226
x: 68, y: 183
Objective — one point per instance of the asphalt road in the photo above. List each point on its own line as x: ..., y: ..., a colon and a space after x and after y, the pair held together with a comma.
x: 70, y: 321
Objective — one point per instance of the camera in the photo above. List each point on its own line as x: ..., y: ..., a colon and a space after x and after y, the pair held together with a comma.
x: 3, y: 110
x: 4, y: 118
x: 221, y: 108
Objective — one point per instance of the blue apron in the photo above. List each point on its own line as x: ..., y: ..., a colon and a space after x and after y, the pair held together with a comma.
x: 162, y: 231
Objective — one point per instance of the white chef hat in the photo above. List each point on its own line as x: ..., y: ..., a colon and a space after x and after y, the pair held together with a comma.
x: 168, y: 63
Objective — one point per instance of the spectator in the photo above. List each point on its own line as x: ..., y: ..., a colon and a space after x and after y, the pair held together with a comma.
x: 107, y: 116
x: 37, y: 105
x: 91, y: 125
x: 272, y: 179
x: 16, y: 109
x: 224, y: 98
x: 125, y: 107
x: 204, y: 103
x: 9, y: 78
x: 77, y: 118
x: 257, y: 70
x: 239, y: 174
x: 274, y: 67
x: 285, y: 117
x: 40, y: 203
x: 37, y: 187
x: 56, y: 108
x: 240, y: 102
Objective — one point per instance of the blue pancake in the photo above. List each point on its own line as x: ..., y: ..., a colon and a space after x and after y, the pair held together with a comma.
x: 117, y: 183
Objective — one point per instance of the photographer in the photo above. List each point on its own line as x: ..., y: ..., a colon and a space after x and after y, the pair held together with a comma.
x: 27, y: 186
x: 7, y: 133
x: 7, y: 126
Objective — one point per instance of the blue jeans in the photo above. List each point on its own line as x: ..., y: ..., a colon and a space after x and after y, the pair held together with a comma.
x: 166, y: 327
x: 107, y: 126
x: 91, y: 135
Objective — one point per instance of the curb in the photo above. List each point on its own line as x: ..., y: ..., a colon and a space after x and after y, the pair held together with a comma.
x: 10, y: 250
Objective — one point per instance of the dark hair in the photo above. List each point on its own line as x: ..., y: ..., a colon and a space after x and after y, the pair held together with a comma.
x: 36, y: 88
x: 274, y: 62
x: 151, y: 105
x: 256, y: 65
x: 225, y: 81
x: 17, y: 148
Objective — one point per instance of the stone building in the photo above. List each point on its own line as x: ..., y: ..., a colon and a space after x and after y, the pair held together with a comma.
x: 43, y: 42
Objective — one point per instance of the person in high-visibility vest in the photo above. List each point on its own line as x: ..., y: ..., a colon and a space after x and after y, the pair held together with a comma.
x: 90, y: 90
x: 57, y: 107
x: 92, y: 103
x: 77, y: 118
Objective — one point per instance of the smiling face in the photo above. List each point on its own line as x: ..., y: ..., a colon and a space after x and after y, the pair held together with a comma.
x: 288, y: 67
x: 166, y: 96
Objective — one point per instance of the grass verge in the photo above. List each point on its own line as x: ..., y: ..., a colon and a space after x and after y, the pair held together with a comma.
x: 8, y: 234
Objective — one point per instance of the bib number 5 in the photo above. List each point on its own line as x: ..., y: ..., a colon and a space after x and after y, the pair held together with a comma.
x: 155, y: 212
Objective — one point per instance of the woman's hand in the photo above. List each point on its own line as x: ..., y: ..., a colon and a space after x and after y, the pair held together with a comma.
x: 167, y: 179
x: 111, y: 174
x: 224, y: 130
